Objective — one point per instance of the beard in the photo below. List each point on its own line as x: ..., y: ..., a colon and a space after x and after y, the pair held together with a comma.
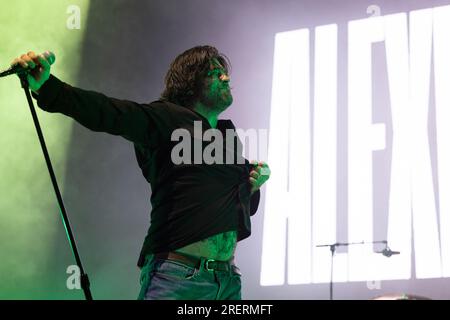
x: 218, y: 101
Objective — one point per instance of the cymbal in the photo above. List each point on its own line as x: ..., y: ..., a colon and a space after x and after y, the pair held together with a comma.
x: 400, y: 296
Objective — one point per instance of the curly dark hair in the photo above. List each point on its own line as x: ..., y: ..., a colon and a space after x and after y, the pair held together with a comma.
x: 186, y: 74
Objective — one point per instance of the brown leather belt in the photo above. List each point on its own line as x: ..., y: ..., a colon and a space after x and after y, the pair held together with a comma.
x: 196, y: 262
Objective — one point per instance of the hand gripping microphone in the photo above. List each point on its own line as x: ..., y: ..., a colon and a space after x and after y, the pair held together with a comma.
x: 18, y: 69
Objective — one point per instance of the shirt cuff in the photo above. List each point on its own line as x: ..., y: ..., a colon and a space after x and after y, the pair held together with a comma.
x: 48, y: 93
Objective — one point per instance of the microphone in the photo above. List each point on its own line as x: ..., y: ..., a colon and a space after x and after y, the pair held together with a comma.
x: 18, y: 69
x: 387, y: 252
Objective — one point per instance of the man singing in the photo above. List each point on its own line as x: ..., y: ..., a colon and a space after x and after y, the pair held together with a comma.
x: 199, y: 210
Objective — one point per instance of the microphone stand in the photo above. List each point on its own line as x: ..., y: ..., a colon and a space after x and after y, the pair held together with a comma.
x: 333, y: 250
x: 84, y: 280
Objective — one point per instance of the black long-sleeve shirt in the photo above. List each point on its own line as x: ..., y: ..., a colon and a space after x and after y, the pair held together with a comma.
x: 190, y: 202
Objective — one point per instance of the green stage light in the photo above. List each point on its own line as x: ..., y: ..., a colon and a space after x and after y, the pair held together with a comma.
x: 28, y: 209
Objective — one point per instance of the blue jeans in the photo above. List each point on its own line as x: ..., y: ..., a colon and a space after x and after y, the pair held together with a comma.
x: 173, y: 280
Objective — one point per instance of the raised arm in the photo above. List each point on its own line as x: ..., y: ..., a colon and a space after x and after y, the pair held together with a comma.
x: 95, y: 111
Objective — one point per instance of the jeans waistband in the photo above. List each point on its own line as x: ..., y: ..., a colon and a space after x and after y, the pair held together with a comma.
x: 196, y: 262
